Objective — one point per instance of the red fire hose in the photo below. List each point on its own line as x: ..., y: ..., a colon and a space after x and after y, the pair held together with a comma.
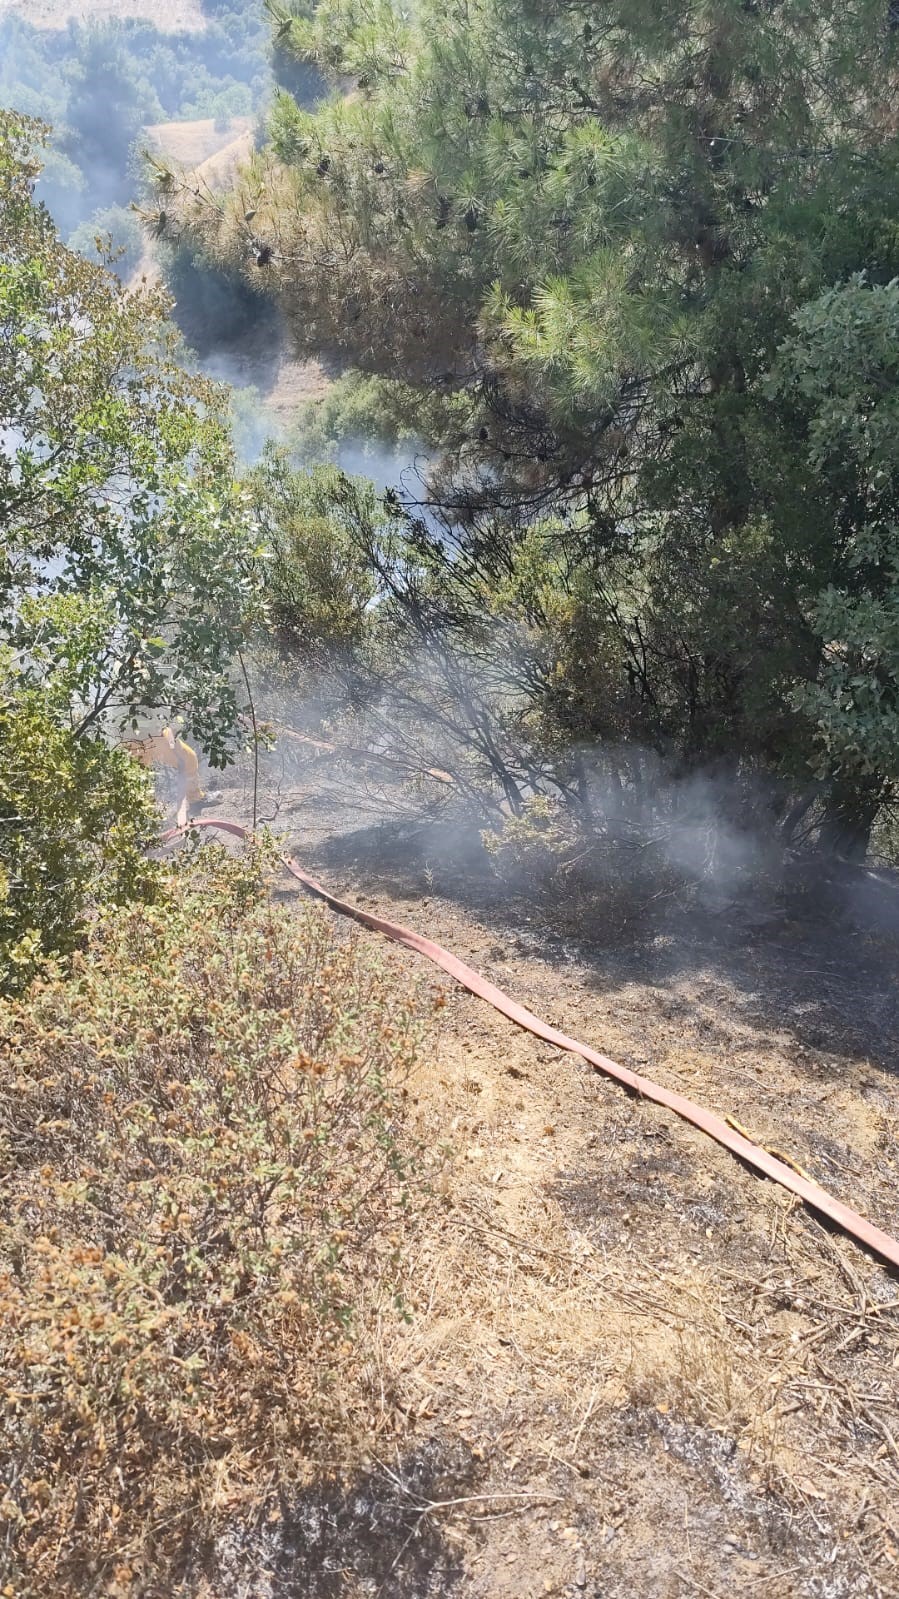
x: 715, y: 1126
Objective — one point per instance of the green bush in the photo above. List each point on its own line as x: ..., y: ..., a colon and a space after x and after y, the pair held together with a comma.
x: 319, y: 587
x: 207, y: 1194
x: 374, y: 411
x: 114, y: 231
x: 75, y: 817
x: 127, y: 575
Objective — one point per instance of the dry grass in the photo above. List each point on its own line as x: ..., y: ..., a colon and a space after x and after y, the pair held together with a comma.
x: 669, y: 1378
x: 191, y: 144
x: 631, y: 1367
x: 206, y: 1193
x: 593, y: 1356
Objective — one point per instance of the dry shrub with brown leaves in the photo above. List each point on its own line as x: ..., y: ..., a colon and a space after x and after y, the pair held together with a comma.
x: 206, y: 1194
x: 587, y: 870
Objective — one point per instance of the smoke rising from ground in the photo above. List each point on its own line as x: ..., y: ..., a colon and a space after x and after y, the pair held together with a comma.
x: 401, y: 467
x: 700, y: 834
x: 100, y: 86
x: 662, y: 858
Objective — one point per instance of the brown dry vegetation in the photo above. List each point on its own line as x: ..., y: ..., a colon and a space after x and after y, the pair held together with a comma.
x: 191, y: 144
x: 199, y: 145
x: 205, y: 1196
x: 629, y: 1367
x: 632, y: 1367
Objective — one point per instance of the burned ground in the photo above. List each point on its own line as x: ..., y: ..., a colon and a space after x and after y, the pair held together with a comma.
x: 666, y: 1377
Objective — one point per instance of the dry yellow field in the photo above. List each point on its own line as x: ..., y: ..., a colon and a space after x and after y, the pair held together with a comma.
x: 168, y: 15
x: 195, y: 144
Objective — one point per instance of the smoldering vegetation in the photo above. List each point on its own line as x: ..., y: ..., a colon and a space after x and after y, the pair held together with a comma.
x: 384, y: 643
x: 433, y: 693
x: 641, y: 854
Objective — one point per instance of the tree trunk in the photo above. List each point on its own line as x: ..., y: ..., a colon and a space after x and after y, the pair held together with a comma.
x: 850, y: 811
x: 799, y: 810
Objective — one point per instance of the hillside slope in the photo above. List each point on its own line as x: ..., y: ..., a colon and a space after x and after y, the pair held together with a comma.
x: 194, y: 143
x: 632, y: 1368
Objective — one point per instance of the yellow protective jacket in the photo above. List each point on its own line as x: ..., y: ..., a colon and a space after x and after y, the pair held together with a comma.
x: 170, y: 750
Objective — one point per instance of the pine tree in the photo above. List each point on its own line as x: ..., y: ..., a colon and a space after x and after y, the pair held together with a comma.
x: 598, y: 221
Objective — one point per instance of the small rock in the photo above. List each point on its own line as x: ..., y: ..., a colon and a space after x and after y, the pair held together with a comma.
x: 580, y: 1576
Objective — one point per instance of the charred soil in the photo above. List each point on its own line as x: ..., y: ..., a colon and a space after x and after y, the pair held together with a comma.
x: 632, y: 1368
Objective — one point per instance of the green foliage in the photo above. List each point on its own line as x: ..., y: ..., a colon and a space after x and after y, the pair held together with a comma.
x: 208, y: 1188
x: 115, y: 236
x: 841, y: 366
x: 571, y: 184
x: 116, y: 496
x: 594, y: 226
x: 319, y: 586
x: 525, y: 843
x: 366, y: 410
x: 126, y: 571
x: 75, y: 820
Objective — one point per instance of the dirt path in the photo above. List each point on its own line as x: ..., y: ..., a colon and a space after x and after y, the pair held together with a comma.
x: 633, y: 1367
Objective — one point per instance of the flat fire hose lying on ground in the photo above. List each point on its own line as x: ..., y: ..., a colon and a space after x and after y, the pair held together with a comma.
x: 723, y: 1131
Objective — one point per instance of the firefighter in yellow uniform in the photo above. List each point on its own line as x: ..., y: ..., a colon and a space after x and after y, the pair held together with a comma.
x: 169, y: 750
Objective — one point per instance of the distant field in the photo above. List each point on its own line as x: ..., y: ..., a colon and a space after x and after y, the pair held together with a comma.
x: 192, y: 144
x: 168, y: 15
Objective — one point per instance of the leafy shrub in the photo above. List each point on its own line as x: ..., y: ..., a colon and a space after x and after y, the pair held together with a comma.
x: 544, y: 833
x: 118, y: 231
x: 206, y: 1198
x: 319, y: 589
x: 606, y: 873
x: 127, y: 573
x: 75, y: 817
x: 363, y: 410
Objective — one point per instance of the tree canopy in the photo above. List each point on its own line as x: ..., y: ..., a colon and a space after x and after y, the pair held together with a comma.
x: 633, y: 248
x: 126, y: 567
